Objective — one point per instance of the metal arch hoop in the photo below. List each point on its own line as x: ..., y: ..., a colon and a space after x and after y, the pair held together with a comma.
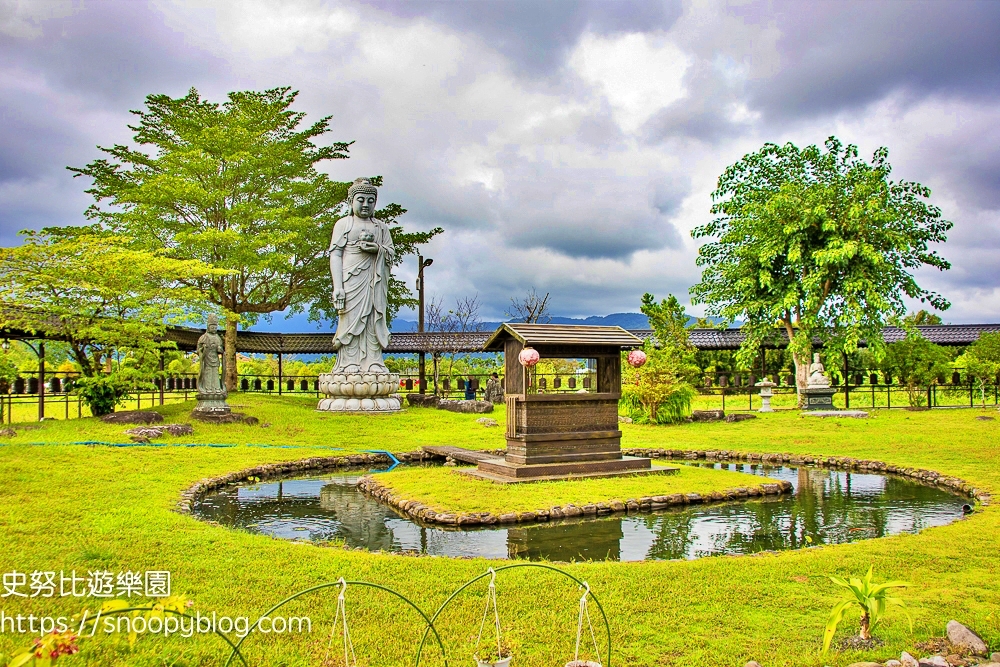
x: 430, y: 623
x: 235, y: 647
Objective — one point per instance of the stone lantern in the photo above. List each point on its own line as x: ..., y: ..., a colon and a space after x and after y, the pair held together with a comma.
x: 766, y: 387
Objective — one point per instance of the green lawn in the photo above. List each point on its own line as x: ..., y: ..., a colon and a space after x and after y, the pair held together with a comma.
x: 448, y: 490
x: 66, y: 507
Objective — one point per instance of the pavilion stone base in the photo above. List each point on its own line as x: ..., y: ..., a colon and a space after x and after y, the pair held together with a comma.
x: 501, y: 470
x: 819, y: 398
x: 359, y: 392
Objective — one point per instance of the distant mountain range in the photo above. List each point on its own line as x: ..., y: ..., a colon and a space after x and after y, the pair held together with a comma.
x: 623, y: 320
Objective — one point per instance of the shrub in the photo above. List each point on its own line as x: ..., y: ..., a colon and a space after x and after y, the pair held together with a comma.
x: 657, y: 392
x: 103, y: 393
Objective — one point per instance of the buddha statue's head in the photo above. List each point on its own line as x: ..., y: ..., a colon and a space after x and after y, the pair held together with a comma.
x: 362, y: 195
x: 212, y: 323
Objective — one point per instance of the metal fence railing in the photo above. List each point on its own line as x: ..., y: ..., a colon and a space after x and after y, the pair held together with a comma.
x: 729, y: 391
x: 870, y: 396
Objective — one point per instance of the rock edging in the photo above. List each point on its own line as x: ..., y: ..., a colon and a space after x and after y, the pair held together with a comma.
x: 266, y: 470
x: 835, y: 462
x: 426, y: 514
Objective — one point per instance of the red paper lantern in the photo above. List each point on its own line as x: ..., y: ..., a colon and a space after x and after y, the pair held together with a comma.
x: 636, y: 358
x: 528, y: 357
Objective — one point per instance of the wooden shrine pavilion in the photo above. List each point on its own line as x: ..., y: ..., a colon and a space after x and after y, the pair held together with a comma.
x: 563, y: 434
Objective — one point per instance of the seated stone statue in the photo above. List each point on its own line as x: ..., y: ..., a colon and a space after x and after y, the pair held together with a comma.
x: 817, y: 374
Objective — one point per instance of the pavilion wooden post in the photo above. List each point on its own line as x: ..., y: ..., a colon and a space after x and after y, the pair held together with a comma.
x: 281, y: 378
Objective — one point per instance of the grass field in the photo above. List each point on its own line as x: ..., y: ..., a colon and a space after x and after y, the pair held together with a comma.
x: 70, y: 507
x: 448, y: 490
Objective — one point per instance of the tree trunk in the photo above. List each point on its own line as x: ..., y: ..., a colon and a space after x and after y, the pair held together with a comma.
x: 230, y: 356
x: 801, y: 360
x: 866, y: 633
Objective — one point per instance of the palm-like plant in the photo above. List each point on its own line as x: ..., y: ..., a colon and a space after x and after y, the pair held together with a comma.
x: 873, y: 598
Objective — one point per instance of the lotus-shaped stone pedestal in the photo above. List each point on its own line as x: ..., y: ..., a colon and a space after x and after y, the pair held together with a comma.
x: 359, y: 392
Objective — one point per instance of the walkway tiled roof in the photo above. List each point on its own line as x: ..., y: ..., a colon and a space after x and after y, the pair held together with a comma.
x: 941, y: 334
x: 322, y: 343
x: 412, y: 342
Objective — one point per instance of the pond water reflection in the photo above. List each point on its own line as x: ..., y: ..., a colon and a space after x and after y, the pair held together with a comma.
x: 826, y: 507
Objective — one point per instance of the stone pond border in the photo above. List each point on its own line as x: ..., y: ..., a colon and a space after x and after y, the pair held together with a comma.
x: 269, y: 470
x: 427, y: 515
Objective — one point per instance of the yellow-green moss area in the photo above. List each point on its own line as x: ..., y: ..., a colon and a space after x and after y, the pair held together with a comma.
x: 448, y: 490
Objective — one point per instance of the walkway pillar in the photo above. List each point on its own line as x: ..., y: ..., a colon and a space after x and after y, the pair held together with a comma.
x: 281, y: 379
x: 41, y: 380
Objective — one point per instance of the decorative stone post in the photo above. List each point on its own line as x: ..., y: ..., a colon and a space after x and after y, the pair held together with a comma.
x: 766, y: 387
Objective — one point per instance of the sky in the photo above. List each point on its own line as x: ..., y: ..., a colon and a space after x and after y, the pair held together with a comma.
x: 569, y: 147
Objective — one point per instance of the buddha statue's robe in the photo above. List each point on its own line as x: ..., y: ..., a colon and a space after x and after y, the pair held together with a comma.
x: 362, y: 324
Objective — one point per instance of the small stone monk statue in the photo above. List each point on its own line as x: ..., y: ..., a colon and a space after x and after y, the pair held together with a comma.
x: 212, y: 391
x: 817, y: 373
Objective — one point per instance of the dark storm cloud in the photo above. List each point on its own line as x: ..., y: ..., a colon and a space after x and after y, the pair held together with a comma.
x: 32, y: 139
x: 67, y: 88
x: 115, y: 52
x: 840, y: 55
x: 534, y: 35
x: 969, y: 162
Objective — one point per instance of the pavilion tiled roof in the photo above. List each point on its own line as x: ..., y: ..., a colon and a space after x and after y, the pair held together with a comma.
x: 538, y: 335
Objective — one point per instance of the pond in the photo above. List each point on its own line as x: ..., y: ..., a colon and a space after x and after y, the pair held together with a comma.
x: 825, y: 507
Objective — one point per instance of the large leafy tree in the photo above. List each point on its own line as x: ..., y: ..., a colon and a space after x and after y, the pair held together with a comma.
x: 818, y: 242
x: 105, y: 299
x: 235, y: 186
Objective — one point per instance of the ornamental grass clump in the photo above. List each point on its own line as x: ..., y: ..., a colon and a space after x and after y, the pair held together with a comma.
x: 873, y: 599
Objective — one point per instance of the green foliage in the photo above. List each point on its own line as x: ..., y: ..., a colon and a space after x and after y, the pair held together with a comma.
x: 872, y: 598
x: 234, y: 185
x: 668, y: 321
x: 922, y: 318
x: 100, y: 296
x: 8, y: 369
x: 660, y: 392
x: 818, y: 242
x: 918, y: 363
x: 103, y: 393
x: 656, y: 393
x: 8, y: 373
x: 982, y: 361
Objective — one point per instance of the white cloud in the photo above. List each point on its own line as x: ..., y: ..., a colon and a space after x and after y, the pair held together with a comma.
x: 638, y: 73
x: 22, y: 18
